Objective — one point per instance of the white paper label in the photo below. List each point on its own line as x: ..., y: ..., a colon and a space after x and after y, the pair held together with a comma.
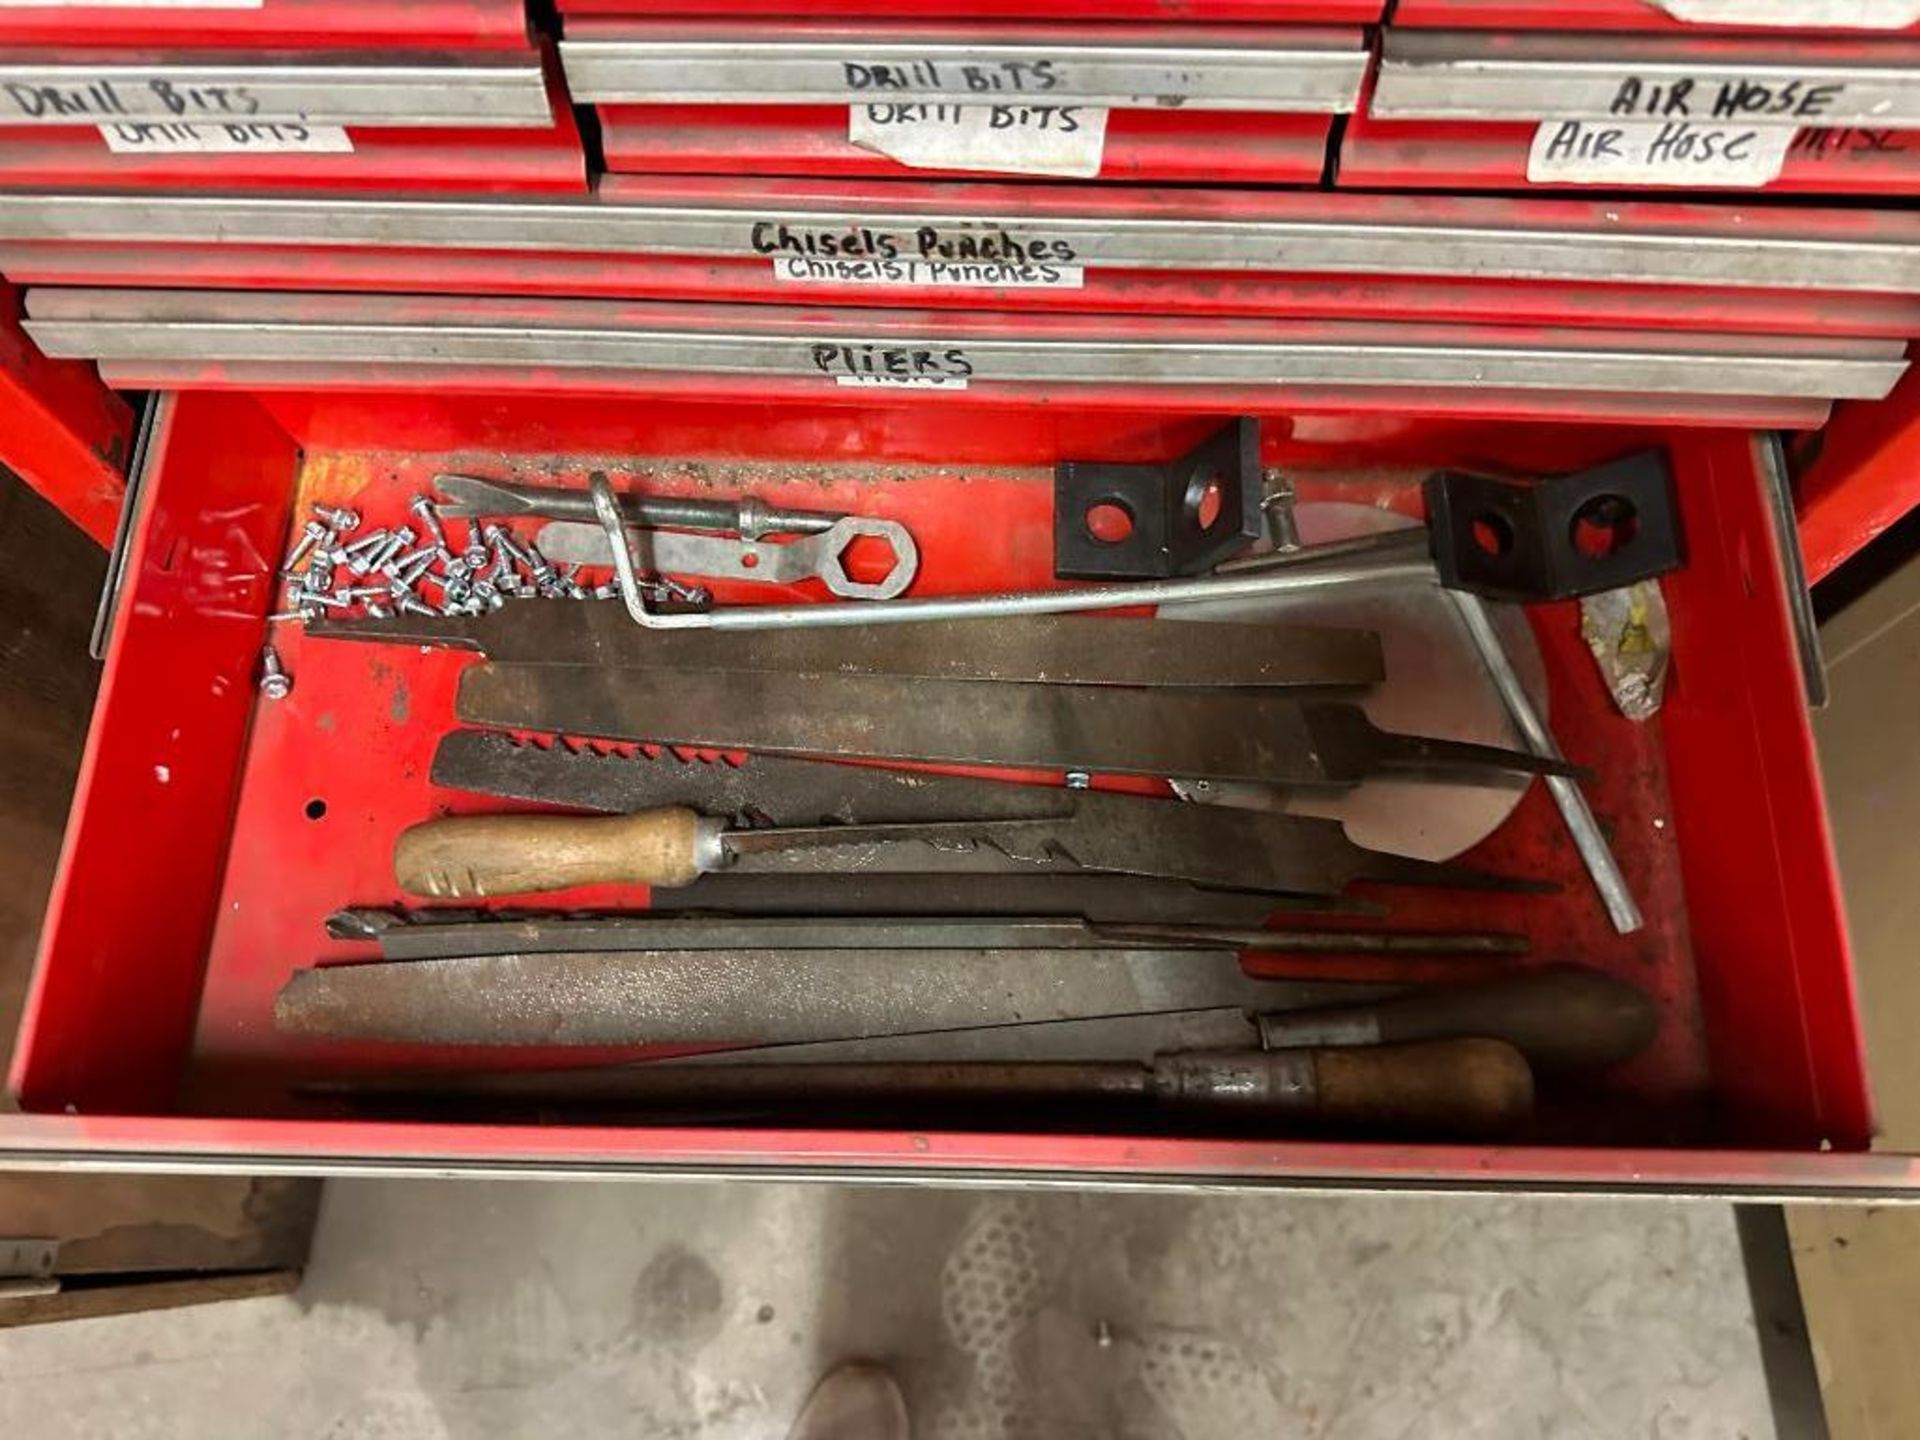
x: 917, y: 367
x: 1016, y: 138
x: 892, y: 382
x: 1649, y: 152
x: 170, y: 137
x: 1837, y: 14
x: 929, y: 274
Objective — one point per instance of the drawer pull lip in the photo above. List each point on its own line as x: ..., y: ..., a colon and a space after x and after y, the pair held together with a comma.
x: 1318, y: 235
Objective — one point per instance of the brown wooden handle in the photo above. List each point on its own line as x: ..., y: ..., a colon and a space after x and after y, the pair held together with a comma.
x: 1479, y: 1088
x: 477, y: 856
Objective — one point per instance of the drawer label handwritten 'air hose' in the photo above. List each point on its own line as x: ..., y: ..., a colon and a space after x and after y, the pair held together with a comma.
x: 1657, y: 152
x: 926, y: 255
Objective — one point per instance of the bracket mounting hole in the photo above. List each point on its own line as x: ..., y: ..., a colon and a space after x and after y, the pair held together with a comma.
x: 1206, y: 497
x: 1109, y: 522
x: 1604, y: 526
x: 1492, y: 534
x: 316, y: 809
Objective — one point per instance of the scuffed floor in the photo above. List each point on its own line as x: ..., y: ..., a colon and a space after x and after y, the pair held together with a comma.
x: 464, y: 1309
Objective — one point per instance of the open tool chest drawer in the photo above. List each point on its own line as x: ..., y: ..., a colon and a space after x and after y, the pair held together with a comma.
x: 215, y: 830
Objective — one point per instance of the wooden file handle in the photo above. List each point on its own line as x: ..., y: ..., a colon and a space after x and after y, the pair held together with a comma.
x: 1433, y: 1088
x: 1481, y: 1088
x: 474, y: 857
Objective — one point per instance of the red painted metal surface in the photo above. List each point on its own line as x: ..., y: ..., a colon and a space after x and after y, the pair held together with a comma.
x: 1332, y: 12
x: 320, y: 24
x: 160, y: 962
x: 1585, y: 15
x: 1466, y: 155
x: 1465, y: 301
x: 1865, y: 476
x: 420, y: 161
x: 1141, y: 145
x: 61, y: 430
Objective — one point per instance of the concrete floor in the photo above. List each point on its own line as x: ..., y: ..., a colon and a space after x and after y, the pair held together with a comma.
x: 466, y: 1309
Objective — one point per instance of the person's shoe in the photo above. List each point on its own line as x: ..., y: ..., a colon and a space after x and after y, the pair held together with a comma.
x: 855, y: 1401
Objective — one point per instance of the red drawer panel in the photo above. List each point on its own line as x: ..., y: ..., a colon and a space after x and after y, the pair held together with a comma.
x: 61, y: 430
x: 1445, y: 155
x: 1147, y: 145
x: 346, y: 24
x: 148, y: 1025
x: 1839, y: 17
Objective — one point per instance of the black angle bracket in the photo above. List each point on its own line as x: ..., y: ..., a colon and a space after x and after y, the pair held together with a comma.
x: 1557, y: 538
x: 1149, y: 522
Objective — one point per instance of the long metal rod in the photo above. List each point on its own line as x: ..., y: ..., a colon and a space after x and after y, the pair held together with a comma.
x: 1304, y: 579
x: 1566, y: 791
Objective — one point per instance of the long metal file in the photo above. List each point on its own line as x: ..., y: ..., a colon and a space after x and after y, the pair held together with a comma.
x: 1200, y: 734
x: 1055, y: 649
x: 670, y: 997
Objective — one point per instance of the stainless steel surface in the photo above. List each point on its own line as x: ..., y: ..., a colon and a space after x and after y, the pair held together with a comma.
x: 1061, y: 650
x: 1757, y: 367
x: 1330, y: 234
x: 1263, y: 736
x: 452, y: 89
x: 1777, y: 486
x: 1585, y: 831
x: 1453, y: 75
x: 1433, y: 684
x: 469, y: 496
x: 810, y: 557
x: 642, y: 998
x: 1262, y: 69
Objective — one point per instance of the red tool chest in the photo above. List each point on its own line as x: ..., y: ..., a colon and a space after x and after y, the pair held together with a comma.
x: 697, y: 328
x: 1485, y: 109
x: 148, y: 1039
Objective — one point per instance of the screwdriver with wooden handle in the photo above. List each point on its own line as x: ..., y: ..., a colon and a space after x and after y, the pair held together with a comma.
x: 1430, y: 1089
x: 477, y: 856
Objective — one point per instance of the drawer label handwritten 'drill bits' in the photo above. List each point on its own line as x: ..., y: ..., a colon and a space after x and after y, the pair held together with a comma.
x: 109, y: 99
x: 906, y: 367
x: 1010, y: 138
x: 1648, y: 152
x: 928, y: 255
x: 180, y: 137
x: 1839, y: 14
